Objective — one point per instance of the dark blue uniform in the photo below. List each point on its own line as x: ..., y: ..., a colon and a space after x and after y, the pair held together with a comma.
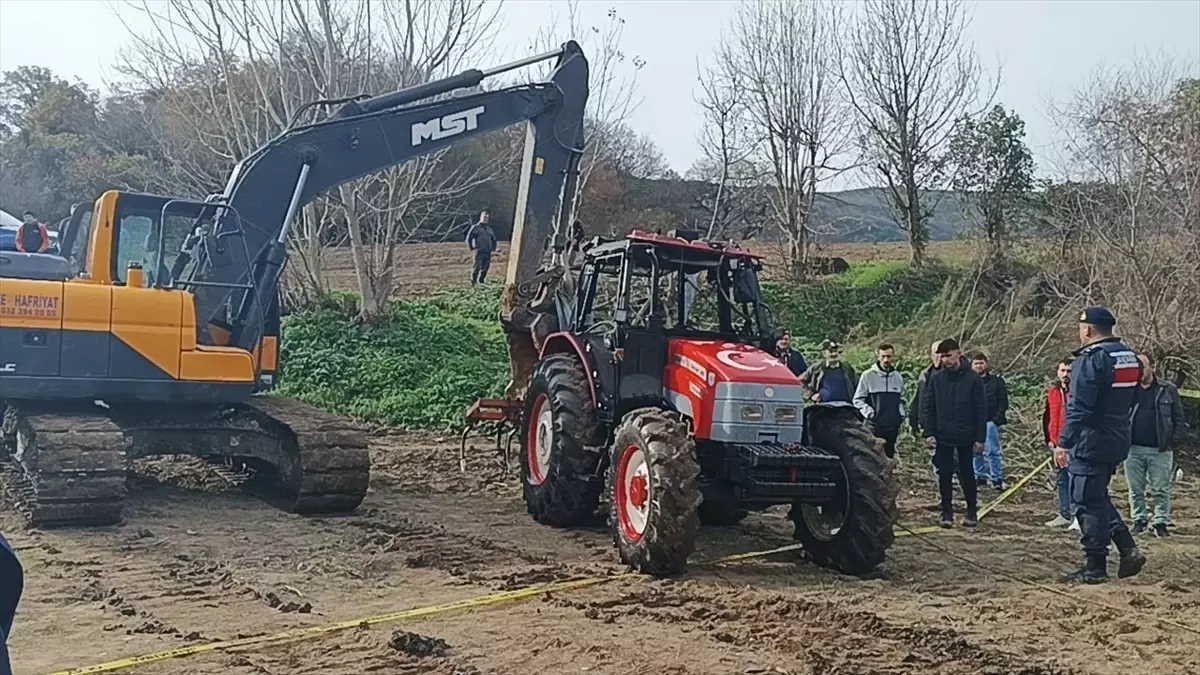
x: 12, y: 582
x: 1104, y: 378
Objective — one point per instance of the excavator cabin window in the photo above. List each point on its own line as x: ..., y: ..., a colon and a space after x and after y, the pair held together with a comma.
x: 137, y: 231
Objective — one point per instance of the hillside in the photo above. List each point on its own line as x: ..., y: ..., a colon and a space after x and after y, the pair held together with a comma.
x: 621, y: 204
x: 847, y: 216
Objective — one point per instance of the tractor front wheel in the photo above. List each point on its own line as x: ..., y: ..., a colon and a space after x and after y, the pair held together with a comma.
x: 852, y: 532
x: 560, y: 446
x: 653, y: 492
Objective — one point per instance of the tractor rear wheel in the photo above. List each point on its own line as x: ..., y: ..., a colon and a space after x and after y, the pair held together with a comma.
x: 852, y: 532
x: 560, y: 446
x: 653, y: 492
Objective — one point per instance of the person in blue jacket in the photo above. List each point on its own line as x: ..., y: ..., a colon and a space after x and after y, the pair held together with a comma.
x: 12, y: 582
x: 1095, y: 441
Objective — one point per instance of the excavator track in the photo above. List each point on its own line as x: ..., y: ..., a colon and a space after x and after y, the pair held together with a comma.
x: 330, y: 467
x: 67, y: 464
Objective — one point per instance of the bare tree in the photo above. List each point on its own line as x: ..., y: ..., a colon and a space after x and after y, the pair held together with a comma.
x: 1126, y: 206
x: 612, y: 83
x: 233, y: 74
x: 910, y: 73
x: 725, y: 146
x: 781, y: 52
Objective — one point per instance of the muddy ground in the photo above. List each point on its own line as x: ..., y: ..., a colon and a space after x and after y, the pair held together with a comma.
x: 187, y: 567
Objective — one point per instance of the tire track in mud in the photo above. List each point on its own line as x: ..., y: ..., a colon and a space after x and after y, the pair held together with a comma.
x: 90, y: 582
x: 826, y: 636
x: 466, y: 557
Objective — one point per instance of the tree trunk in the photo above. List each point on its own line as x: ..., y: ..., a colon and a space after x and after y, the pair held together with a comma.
x: 370, y: 307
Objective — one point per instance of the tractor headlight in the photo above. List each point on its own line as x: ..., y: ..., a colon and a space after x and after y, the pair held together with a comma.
x: 752, y: 413
x: 785, y: 415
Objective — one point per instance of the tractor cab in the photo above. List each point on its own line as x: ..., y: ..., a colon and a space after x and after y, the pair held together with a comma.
x: 649, y: 303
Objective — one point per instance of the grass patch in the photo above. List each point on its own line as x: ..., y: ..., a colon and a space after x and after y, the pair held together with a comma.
x: 419, y: 367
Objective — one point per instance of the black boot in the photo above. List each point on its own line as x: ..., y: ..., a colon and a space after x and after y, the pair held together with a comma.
x: 947, y: 517
x: 972, y: 519
x: 1093, y: 572
x: 1132, y: 559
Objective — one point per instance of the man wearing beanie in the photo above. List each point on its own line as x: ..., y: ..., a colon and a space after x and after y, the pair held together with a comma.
x: 954, y: 419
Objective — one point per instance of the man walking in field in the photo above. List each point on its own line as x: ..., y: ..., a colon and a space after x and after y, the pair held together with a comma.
x: 990, y: 464
x: 1157, y: 416
x: 481, y: 238
x: 832, y: 380
x: 880, y: 397
x: 954, y: 418
x: 1054, y: 416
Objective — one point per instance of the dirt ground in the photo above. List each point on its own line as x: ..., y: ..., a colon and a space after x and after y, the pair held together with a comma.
x: 422, y: 269
x: 188, y: 567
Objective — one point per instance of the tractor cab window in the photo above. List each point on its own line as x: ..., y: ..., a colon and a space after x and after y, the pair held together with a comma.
x: 718, y: 297
x: 599, y: 297
x: 672, y: 290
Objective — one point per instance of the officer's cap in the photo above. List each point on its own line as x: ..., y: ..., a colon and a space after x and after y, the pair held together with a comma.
x: 1098, y: 316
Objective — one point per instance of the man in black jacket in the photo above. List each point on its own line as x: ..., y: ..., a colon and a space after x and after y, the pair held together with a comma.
x: 791, y: 358
x: 990, y: 465
x: 954, y: 419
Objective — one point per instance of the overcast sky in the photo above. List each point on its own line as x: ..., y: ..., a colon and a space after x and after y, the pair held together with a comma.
x: 1047, y: 47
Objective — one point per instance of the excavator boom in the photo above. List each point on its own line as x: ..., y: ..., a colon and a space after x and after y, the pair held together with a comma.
x: 364, y: 137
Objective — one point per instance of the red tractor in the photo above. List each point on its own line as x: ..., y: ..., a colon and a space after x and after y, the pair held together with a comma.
x: 657, y: 389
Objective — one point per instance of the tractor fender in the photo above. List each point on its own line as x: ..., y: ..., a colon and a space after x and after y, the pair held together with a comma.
x: 569, y: 343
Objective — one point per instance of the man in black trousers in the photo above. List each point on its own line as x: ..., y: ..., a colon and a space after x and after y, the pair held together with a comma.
x: 954, y: 417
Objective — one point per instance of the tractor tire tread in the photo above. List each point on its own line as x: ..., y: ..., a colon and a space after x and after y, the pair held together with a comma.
x: 570, y: 494
x: 862, y: 543
x: 670, y: 535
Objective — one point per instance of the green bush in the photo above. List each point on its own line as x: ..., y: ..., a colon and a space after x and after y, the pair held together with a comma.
x: 420, y: 367
x: 867, y: 303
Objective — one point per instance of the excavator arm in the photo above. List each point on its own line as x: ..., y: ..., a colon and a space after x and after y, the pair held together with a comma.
x: 233, y: 267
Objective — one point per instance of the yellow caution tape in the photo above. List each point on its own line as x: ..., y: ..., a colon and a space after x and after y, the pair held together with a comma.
x: 1189, y: 393
x: 305, y: 633
x: 466, y: 604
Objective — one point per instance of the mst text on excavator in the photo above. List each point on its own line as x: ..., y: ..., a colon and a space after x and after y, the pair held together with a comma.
x: 157, y: 328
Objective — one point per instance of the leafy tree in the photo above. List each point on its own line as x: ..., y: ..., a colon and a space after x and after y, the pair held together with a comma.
x: 993, y: 172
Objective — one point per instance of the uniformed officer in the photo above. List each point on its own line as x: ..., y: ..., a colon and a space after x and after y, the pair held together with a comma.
x: 1095, y: 440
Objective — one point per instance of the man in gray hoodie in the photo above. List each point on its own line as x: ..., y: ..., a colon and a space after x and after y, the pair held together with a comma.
x: 880, y: 397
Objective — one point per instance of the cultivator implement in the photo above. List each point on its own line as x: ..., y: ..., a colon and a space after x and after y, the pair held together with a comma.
x: 503, y: 419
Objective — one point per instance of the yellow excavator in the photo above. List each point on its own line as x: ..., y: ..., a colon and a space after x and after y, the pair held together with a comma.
x: 156, y: 330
